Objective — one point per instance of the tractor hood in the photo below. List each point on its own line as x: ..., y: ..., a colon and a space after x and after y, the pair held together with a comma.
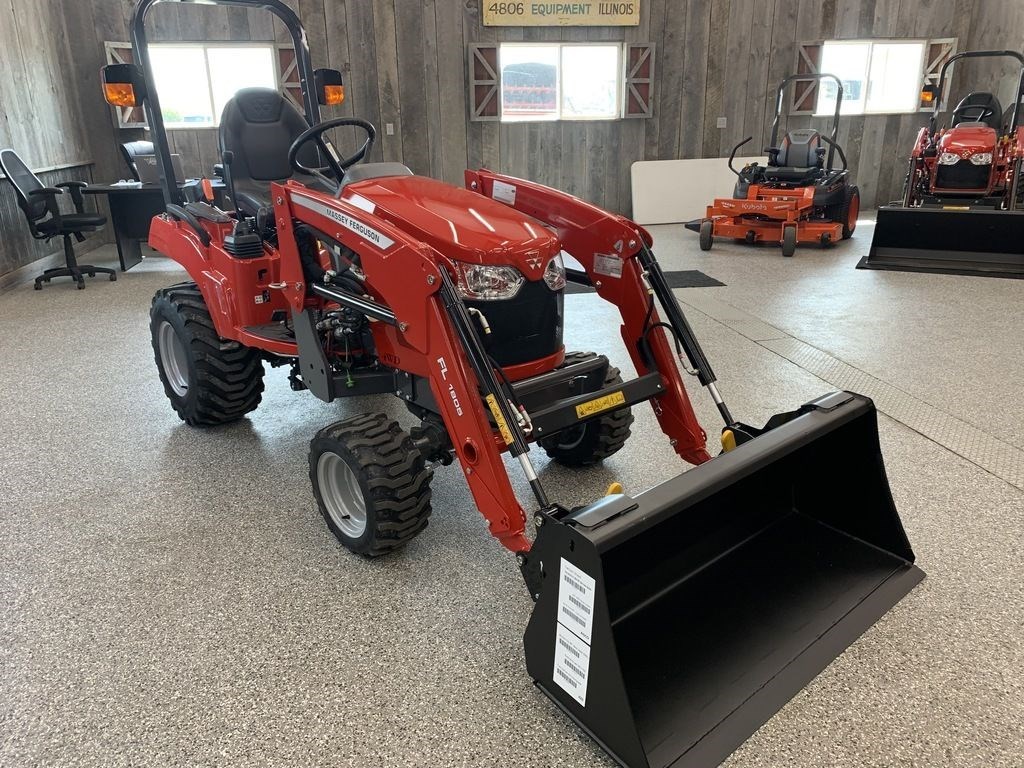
x: 966, y: 141
x: 459, y: 224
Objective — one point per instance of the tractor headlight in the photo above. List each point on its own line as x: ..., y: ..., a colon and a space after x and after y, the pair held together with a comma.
x: 554, y: 273
x: 949, y: 158
x: 483, y: 282
x: 982, y: 158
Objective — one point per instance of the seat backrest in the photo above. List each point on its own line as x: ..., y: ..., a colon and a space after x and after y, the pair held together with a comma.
x: 24, y: 182
x: 980, y: 99
x: 258, y: 126
x: 131, y: 150
x: 799, y: 149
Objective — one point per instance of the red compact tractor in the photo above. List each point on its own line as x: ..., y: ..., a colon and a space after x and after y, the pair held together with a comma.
x: 799, y: 197
x: 668, y: 624
x: 963, y: 200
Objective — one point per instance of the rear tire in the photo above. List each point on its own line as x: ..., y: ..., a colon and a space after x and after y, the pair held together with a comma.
x: 707, y: 234
x: 595, y: 440
x: 788, y: 241
x: 371, y: 483
x: 848, y: 212
x: 209, y: 380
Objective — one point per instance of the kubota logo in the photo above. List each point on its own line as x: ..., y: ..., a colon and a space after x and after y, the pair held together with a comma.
x: 754, y: 207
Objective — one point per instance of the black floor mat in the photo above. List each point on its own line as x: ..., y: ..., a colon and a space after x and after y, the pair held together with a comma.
x: 683, y: 278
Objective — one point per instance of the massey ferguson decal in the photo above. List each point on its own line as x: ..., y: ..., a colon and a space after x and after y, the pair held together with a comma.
x: 365, y: 231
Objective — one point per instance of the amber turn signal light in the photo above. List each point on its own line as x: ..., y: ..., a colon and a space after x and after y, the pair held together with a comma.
x: 334, y: 94
x: 119, y: 94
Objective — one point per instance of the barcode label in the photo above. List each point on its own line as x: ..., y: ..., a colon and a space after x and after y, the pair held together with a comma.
x: 607, y: 264
x: 504, y: 193
x: 572, y: 664
x: 576, y: 600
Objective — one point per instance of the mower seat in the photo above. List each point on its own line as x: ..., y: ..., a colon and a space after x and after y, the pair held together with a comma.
x: 981, y: 100
x: 258, y: 127
x: 797, y: 159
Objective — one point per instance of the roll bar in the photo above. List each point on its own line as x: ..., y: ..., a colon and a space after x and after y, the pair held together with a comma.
x: 933, y: 121
x: 835, y: 119
x: 151, y: 103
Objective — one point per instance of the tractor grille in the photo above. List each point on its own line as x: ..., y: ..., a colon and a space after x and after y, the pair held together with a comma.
x: 962, y: 175
x: 524, y: 328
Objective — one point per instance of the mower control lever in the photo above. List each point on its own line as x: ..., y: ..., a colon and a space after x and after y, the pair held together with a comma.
x: 837, y: 148
x: 732, y: 155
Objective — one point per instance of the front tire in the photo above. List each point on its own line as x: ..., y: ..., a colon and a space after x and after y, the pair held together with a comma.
x: 371, y: 483
x: 707, y: 234
x: 788, y: 241
x: 209, y: 380
x: 595, y: 440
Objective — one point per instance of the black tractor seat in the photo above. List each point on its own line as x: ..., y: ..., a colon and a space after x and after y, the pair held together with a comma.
x: 798, y: 159
x: 258, y: 126
x: 976, y: 103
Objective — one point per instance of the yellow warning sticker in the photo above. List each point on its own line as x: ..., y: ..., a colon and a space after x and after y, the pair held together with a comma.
x: 499, y: 419
x: 597, y: 405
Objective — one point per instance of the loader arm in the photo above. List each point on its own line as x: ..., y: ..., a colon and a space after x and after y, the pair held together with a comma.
x: 422, y: 340
x: 609, y: 247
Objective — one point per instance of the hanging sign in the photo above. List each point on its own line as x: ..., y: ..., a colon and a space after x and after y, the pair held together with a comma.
x: 541, y: 13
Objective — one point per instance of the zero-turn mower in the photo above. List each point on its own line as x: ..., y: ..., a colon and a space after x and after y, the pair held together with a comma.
x: 963, y: 200
x: 668, y: 624
x: 799, y: 197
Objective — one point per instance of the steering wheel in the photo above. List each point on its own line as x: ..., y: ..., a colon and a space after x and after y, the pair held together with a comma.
x: 984, y: 111
x: 337, y: 165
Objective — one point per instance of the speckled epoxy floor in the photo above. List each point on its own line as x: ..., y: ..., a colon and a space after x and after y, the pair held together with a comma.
x: 171, y: 596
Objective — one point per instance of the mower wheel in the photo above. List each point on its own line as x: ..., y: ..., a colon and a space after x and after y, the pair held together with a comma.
x: 371, y: 483
x: 707, y: 234
x: 848, y: 212
x: 209, y: 380
x: 595, y: 440
x: 788, y: 241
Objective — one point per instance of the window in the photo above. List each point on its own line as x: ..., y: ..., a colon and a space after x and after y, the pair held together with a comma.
x: 195, y: 81
x: 878, y: 76
x: 560, y: 81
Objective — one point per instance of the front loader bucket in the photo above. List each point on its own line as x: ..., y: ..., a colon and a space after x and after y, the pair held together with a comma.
x: 672, y: 625
x: 960, y: 242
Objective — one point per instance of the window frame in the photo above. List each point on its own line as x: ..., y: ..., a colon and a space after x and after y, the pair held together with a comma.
x: 922, y: 74
x: 620, y: 85
x: 206, y: 45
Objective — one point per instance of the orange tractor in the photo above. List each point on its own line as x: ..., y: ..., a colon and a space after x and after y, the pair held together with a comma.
x: 799, y: 197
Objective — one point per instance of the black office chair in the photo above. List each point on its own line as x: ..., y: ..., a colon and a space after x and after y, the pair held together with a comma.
x: 39, y: 204
x: 131, y: 150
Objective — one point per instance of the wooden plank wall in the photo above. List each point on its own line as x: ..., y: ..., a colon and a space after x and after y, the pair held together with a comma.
x: 405, y: 64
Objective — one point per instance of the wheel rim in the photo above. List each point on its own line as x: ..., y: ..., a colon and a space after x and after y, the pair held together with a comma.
x: 173, y: 358
x: 571, y: 438
x: 341, y: 494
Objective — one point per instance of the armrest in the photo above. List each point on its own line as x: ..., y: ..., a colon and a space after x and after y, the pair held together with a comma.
x: 50, y: 193
x: 76, y: 193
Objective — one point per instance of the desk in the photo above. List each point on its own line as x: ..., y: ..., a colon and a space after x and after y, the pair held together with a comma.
x: 131, y: 210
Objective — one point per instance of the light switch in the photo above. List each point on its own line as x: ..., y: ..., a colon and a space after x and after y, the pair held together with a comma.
x: 389, y: 129
x: 722, y: 122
